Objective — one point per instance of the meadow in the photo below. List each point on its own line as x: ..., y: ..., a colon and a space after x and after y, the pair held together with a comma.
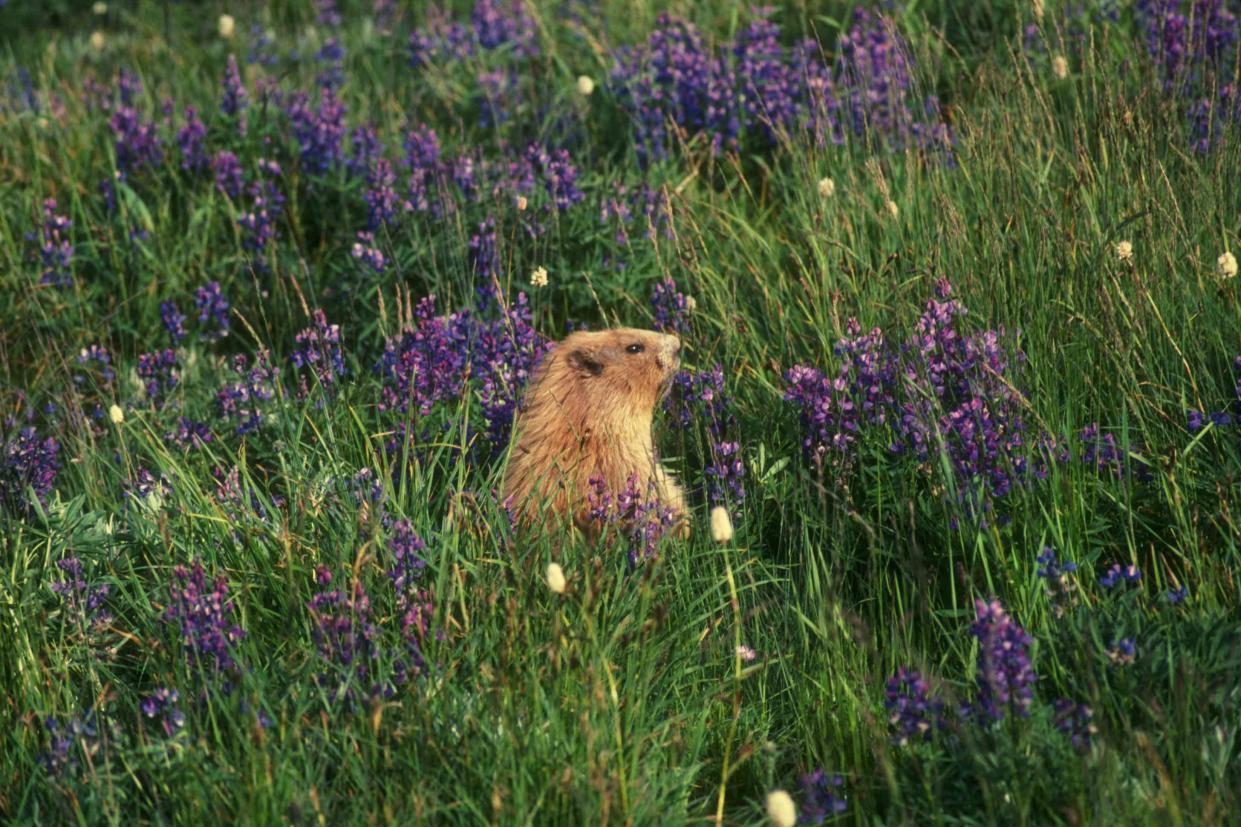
x: 959, y: 413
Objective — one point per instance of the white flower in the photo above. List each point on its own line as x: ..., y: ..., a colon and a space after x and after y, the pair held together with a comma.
x: 1227, y: 264
x: 585, y: 86
x: 746, y: 653
x: 555, y: 578
x: 100, y: 8
x: 827, y: 187
x: 1124, y: 250
x: 892, y: 209
x: 721, y: 525
x: 522, y: 203
x: 226, y: 26
x: 97, y: 40
x: 1059, y: 67
x: 116, y: 414
x: 539, y: 277
x: 781, y: 809
x: 691, y: 304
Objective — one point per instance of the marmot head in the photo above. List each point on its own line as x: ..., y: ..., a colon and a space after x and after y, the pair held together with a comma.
x: 625, y: 366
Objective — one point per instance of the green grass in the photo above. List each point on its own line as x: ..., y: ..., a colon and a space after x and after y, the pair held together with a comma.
x: 623, y: 700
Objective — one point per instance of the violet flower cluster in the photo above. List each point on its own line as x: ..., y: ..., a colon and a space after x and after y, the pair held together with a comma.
x: 913, y: 712
x: 495, y: 25
x: 159, y: 374
x: 1197, y: 420
x: 161, y: 708
x: 68, y: 739
x: 84, y: 603
x: 348, y: 641
x: 55, y: 247
x: 243, y: 400
x: 203, y: 616
x: 753, y: 86
x: 822, y: 797
x: 1005, y: 675
x: 318, y: 348
x: 638, y: 517
x: 943, y: 393
x: 1076, y: 721
x: 29, y: 464
x: 414, y: 605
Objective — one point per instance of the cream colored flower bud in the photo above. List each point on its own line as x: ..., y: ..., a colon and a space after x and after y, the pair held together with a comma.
x: 585, y: 86
x: 522, y: 203
x: 539, y: 277
x: 1227, y: 264
x: 721, y: 525
x: 98, y: 40
x: 227, y: 25
x: 892, y: 210
x: 1059, y: 67
x: 1124, y: 250
x: 781, y: 809
x: 100, y: 8
x: 555, y: 578
x: 827, y: 187
x: 116, y: 414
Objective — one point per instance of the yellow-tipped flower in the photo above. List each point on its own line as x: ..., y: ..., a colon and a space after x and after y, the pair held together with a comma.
x: 1124, y: 251
x: 226, y: 26
x: 827, y: 187
x: 1059, y: 67
x: 539, y: 277
x: 116, y: 414
x: 585, y: 86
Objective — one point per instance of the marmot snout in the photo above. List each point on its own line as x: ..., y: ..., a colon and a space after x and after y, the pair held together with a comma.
x: 587, y: 414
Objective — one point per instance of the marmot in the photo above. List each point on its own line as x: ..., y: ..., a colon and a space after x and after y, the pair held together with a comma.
x: 586, y: 414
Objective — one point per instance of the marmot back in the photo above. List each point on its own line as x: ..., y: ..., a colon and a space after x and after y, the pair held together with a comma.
x: 587, y: 413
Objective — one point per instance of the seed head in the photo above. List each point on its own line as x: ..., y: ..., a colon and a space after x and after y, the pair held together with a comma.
x: 539, y: 277
x: 1124, y: 251
x: 891, y: 209
x: 116, y: 414
x: 1059, y: 67
x: 827, y: 187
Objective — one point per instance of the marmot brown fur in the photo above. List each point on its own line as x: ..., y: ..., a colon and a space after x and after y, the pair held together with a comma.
x: 587, y: 413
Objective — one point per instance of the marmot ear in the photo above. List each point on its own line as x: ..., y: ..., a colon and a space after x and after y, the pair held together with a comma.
x: 584, y: 363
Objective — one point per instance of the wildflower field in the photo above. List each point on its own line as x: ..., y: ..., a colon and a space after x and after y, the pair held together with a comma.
x: 958, y: 416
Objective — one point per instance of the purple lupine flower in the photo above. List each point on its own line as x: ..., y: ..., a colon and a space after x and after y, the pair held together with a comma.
x: 558, y: 174
x: 381, y: 197
x: 239, y: 498
x: 1005, y: 676
x: 1104, y: 454
x: 161, y: 706
x: 507, y: 348
x: 243, y: 400
x: 173, y: 320
x: 326, y: 13
x: 484, y: 260
x: 146, y: 484
x: 672, y: 308
x: 364, y: 250
x: 192, y: 141
x: 1122, y: 652
x: 84, y: 603
x: 426, y: 364
x: 235, y: 98
x: 79, y: 735
x: 1120, y: 574
x: 28, y: 463
x: 332, y: 57
x: 138, y: 145
x: 212, y: 308
x: 821, y: 797
x: 203, y: 615
x: 348, y: 642
x: 159, y: 373
x: 1076, y: 721
x: 422, y: 157
x: 1177, y: 596
x: 229, y: 178
x: 725, y: 474
x: 701, y: 397
x: 440, y: 40
x: 99, y: 356
x: 1060, y: 586
x: 413, y: 605
x: 639, y: 517
x: 498, y: 24
x: 913, y: 712
x: 189, y: 434
x: 365, y: 149
x: 259, y: 223
x: 319, y: 132
x: 497, y: 93
x: 318, y: 347
x: 55, y: 249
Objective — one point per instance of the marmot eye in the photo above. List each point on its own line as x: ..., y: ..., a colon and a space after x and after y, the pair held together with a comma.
x: 635, y: 348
